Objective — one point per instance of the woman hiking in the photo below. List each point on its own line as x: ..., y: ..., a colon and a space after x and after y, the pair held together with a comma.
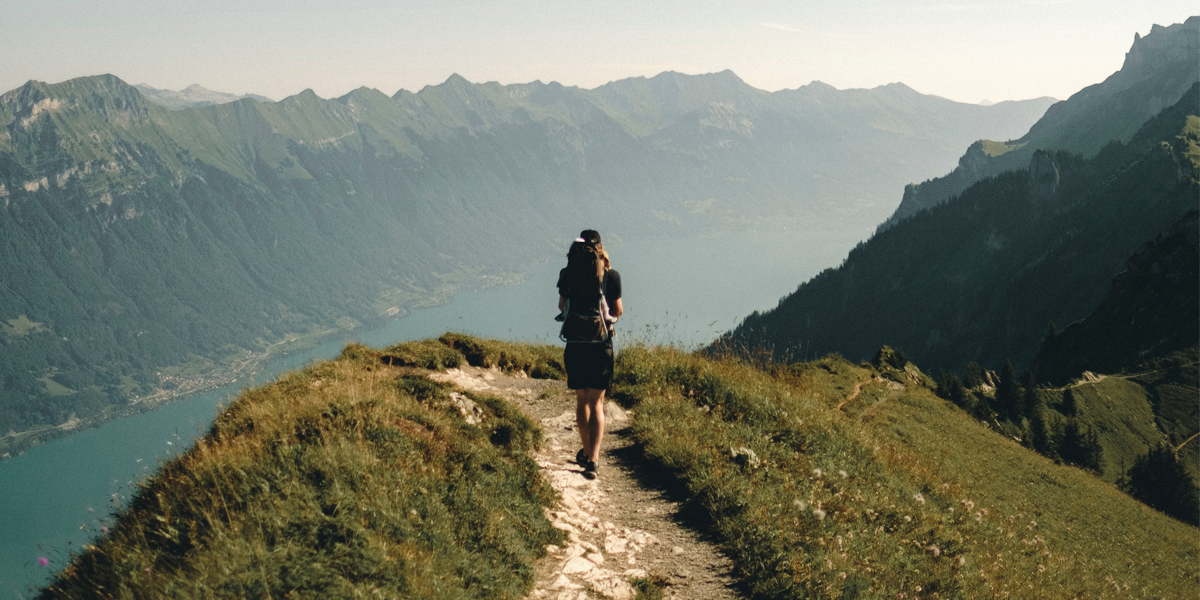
x: 589, y: 303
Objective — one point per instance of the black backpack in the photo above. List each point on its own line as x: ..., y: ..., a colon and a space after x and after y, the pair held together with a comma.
x: 584, y: 328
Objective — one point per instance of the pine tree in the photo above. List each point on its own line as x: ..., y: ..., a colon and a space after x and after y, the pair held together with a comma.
x: 1043, y: 438
x: 974, y: 377
x: 950, y: 388
x: 1160, y: 481
x: 1030, y: 399
x: 1009, y: 399
x: 1051, y: 333
x: 1069, y: 406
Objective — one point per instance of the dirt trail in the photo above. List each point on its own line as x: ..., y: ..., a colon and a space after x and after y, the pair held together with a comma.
x: 857, y: 389
x: 618, y: 528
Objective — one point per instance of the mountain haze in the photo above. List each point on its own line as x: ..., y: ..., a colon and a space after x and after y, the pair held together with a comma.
x: 143, y: 247
x: 193, y: 96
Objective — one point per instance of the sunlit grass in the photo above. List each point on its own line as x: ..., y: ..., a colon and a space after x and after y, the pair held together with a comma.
x: 896, y: 494
x: 349, y: 478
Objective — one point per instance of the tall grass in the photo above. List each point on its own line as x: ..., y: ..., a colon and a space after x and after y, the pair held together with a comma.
x: 349, y: 478
x: 897, y: 494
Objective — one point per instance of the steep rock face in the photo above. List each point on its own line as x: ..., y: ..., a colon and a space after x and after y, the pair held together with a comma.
x: 1043, y: 176
x: 1158, y: 70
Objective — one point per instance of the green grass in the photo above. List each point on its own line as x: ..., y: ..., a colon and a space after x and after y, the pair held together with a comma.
x: 21, y: 327
x: 54, y: 388
x: 1120, y: 412
x: 427, y: 354
x: 540, y: 361
x: 350, y: 478
x: 898, y: 493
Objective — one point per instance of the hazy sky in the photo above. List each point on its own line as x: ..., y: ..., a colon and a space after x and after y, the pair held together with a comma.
x: 966, y: 50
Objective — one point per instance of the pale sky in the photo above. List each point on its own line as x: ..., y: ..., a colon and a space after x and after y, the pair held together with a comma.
x: 965, y: 50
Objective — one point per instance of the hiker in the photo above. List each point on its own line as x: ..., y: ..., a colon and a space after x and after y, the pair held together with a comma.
x: 589, y: 303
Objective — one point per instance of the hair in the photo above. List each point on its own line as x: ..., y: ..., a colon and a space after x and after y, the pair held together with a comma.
x: 586, y: 263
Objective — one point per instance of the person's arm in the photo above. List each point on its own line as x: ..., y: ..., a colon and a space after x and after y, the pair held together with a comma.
x: 562, y: 303
x: 617, y: 309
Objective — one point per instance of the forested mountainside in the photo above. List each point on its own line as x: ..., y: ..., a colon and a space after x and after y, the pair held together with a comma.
x: 134, y: 239
x: 982, y: 277
x: 1152, y: 310
x: 1158, y: 69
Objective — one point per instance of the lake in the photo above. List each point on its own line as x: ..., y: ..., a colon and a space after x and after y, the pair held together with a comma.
x: 685, y: 292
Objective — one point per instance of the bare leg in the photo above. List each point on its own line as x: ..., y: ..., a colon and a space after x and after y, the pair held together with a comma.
x: 589, y: 417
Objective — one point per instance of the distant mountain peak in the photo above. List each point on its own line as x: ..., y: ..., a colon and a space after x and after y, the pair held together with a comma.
x: 192, y: 96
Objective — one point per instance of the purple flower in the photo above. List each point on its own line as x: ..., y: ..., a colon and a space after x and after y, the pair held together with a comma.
x: 42, y: 560
x: 104, y: 530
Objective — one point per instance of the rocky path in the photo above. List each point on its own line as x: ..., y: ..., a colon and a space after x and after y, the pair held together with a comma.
x: 618, y: 528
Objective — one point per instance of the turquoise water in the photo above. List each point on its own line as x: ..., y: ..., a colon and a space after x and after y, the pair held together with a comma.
x: 57, y: 496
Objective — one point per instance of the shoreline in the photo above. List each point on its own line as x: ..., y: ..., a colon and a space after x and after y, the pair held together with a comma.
x: 15, y: 444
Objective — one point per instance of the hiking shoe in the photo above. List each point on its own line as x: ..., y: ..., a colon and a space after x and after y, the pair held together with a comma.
x: 590, y: 470
x: 580, y: 458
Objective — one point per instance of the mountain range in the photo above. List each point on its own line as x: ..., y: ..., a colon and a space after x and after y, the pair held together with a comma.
x: 982, y: 276
x: 1098, y: 236
x: 140, y: 246
x: 193, y: 96
x: 1158, y: 69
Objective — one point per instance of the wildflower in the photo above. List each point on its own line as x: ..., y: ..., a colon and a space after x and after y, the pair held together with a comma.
x: 800, y: 504
x: 934, y: 550
x: 147, y: 569
x: 817, y: 473
x: 959, y: 561
x: 1041, y: 568
x: 919, y: 498
x: 918, y: 588
x: 842, y: 575
x: 843, y: 474
x: 819, y: 514
x: 43, y: 561
x: 828, y: 564
x: 103, y: 529
x: 969, y: 505
x: 907, y: 519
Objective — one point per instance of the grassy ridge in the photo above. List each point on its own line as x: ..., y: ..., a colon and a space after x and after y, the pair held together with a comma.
x: 348, y: 478
x: 894, y: 494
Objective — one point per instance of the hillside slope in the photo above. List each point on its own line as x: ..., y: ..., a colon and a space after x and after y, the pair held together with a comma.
x: 833, y: 480
x: 347, y: 478
x: 982, y: 277
x: 819, y: 480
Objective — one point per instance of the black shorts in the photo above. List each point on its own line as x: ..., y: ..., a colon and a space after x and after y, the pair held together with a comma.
x: 589, y: 365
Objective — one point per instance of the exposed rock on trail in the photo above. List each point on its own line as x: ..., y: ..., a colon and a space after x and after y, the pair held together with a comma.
x: 617, y: 529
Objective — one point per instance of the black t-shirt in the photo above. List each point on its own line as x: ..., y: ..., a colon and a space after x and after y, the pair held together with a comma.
x: 587, y: 301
